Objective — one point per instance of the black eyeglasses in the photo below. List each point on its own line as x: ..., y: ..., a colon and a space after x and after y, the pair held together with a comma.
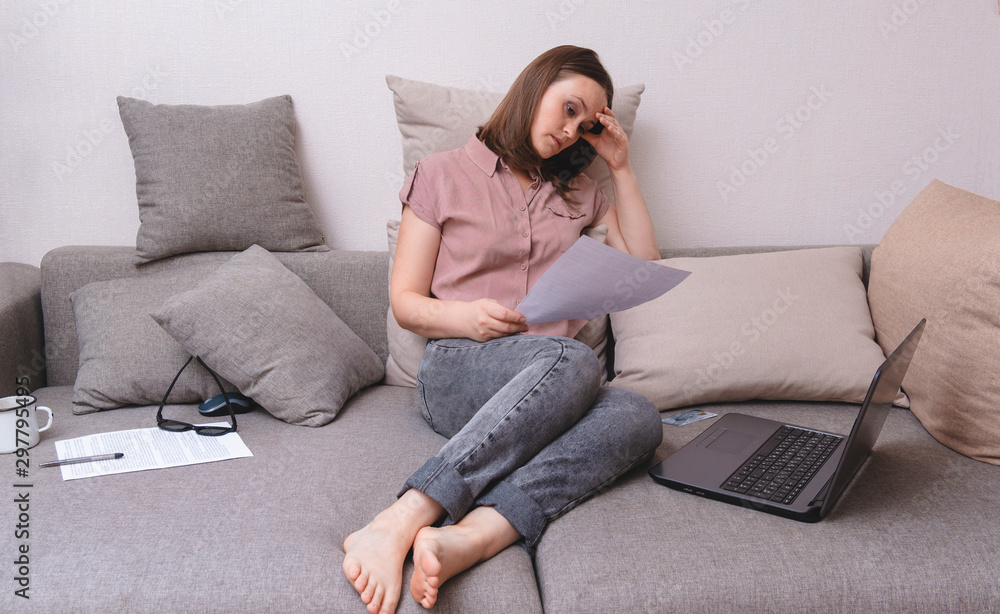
x: 176, y: 426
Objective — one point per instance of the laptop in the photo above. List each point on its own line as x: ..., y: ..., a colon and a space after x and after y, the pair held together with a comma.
x: 782, y: 469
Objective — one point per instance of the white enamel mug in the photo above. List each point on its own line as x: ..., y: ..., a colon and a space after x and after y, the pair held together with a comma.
x: 19, y: 423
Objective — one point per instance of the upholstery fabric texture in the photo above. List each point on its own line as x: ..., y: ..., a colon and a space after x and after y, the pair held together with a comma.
x: 790, y: 325
x: 940, y: 260
x: 433, y: 118
x: 890, y: 544
x: 288, y: 509
x: 21, y: 365
x: 261, y: 327
x: 125, y: 358
x: 217, y: 178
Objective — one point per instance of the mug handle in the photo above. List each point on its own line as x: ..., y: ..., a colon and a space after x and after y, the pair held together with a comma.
x: 49, y: 412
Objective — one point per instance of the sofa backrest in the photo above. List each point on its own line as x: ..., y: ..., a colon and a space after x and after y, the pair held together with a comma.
x: 353, y: 283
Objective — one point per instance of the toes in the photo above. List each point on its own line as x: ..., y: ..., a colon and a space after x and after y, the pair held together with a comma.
x: 376, y: 600
x: 389, y: 605
x: 368, y: 595
x: 364, y: 588
x: 430, y: 598
x: 352, y: 569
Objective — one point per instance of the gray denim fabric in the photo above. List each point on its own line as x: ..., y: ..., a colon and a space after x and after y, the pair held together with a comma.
x: 532, y: 432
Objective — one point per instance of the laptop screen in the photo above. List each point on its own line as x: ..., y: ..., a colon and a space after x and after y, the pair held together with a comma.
x: 875, y: 409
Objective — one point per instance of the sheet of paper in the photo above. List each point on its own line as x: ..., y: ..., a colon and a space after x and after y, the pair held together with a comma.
x: 151, y: 448
x: 593, y: 279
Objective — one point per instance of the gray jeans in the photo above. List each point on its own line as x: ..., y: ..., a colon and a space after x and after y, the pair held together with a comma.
x: 531, y: 431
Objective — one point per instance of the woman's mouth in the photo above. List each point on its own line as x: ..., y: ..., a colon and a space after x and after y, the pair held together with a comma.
x: 558, y: 142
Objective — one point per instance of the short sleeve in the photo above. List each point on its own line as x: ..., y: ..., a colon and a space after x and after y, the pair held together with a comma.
x: 601, y: 206
x: 417, y: 195
x: 588, y: 192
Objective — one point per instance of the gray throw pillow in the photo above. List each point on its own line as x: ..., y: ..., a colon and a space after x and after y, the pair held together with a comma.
x: 261, y: 327
x: 125, y: 358
x: 217, y: 178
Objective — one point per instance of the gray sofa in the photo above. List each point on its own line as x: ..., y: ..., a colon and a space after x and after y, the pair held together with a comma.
x: 917, y: 533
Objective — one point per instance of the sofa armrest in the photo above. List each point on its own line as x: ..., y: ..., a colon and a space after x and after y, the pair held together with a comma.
x: 22, y: 346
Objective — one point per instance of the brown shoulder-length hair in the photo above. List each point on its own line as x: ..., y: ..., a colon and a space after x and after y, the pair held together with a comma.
x: 508, y: 131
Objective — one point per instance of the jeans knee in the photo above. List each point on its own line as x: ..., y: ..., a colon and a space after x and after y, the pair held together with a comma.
x: 582, y: 361
x: 639, y: 420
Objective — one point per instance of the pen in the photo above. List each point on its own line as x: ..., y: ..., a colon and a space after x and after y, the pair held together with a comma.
x: 83, y: 459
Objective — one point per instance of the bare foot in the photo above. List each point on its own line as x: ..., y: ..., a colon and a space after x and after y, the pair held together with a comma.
x: 440, y: 554
x: 374, y: 555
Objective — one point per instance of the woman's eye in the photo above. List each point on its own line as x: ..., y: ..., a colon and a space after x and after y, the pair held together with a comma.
x: 570, y: 110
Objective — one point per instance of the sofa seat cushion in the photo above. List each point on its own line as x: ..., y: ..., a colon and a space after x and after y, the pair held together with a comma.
x: 260, y: 534
x: 913, y: 534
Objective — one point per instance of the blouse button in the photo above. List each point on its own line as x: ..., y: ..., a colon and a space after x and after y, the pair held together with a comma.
x: 524, y: 266
x: 523, y: 207
x: 524, y: 234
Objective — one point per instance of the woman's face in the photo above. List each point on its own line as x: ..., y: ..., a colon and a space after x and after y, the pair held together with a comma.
x: 568, y: 108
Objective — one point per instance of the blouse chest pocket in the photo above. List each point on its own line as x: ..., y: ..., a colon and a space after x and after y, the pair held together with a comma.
x: 566, y: 223
x: 564, y: 210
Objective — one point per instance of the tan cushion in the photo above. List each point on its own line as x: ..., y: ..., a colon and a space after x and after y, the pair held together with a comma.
x: 940, y: 259
x: 783, y: 325
x: 406, y: 349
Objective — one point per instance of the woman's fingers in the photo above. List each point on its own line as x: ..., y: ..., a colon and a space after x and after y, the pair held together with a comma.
x: 498, y: 321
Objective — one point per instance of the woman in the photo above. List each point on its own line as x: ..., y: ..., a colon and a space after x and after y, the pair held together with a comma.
x: 532, y: 432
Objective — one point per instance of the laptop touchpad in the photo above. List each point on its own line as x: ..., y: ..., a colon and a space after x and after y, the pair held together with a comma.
x: 731, y: 442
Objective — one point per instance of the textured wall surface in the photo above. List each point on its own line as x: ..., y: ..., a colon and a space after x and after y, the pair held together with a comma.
x: 763, y: 122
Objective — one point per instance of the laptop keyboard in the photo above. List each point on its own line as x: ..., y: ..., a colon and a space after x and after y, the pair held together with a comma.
x: 780, y: 469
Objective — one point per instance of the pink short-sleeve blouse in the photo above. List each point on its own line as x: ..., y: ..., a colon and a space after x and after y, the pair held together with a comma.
x: 497, y: 240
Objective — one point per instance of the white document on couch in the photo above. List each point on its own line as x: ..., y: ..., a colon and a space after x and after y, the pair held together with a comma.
x: 143, y: 449
x: 592, y: 279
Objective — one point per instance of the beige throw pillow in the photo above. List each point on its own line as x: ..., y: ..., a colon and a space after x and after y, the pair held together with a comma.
x: 782, y: 325
x: 940, y: 260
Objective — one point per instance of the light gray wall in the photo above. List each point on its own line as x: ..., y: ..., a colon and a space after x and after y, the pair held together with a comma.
x: 763, y: 122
